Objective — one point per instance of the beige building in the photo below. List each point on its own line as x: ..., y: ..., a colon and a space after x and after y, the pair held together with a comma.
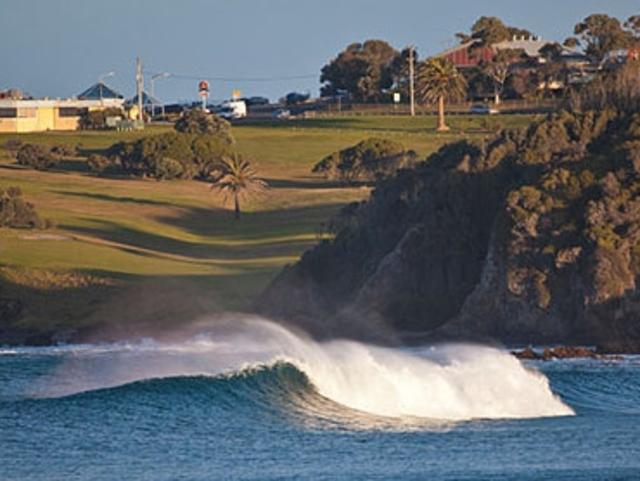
x: 41, y: 115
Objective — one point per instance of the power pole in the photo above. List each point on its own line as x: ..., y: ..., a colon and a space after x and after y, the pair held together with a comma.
x: 139, y: 86
x: 411, y: 83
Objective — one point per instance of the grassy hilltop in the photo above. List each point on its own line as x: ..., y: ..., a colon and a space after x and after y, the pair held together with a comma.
x: 171, y: 249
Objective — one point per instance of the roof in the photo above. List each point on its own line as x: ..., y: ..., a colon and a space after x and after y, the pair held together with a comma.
x: 530, y: 45
x: 146, y: 100
x: 461, y: 46
x: 99, y: 91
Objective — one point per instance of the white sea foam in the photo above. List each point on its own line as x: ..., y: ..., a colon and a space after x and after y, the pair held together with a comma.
x: 452, y: 382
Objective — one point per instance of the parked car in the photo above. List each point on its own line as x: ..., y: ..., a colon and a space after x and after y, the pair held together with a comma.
x: 251, y: 101
x: 483, y: 109
x: 282, y: 114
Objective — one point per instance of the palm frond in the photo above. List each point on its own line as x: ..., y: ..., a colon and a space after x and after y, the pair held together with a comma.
x: 438, y: 77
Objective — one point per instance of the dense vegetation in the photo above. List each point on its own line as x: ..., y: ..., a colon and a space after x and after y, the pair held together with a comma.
x: 532, y: 236
x: 97, y: 119
x: 17, y: 213
x: 195, y: 150
x: 129, y: 251
x: 171, y: 156
x: 367, y: 161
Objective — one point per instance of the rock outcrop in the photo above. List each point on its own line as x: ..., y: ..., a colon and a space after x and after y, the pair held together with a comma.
x: 532, y: 236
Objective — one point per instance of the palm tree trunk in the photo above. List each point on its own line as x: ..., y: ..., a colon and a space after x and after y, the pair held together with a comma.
x: 442, y: 126
x: 237, y: 207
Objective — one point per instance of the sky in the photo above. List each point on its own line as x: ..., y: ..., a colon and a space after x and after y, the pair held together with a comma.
x: 57, y: 48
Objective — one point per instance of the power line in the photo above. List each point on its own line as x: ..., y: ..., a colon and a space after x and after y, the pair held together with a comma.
x: 239, y: 79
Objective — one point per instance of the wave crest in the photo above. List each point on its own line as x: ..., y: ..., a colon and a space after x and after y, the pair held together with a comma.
x: 448, y: 382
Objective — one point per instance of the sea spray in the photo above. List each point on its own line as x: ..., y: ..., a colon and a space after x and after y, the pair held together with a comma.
x: 448, y: 382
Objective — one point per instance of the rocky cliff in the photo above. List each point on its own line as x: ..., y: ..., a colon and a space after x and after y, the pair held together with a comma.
x: 530, y: 236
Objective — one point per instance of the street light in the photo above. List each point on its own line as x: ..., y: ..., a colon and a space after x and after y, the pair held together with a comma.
x: 158, y: 76
x: 101, y: 81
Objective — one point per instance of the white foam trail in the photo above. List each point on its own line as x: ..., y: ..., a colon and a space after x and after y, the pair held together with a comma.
x: 451, y: 382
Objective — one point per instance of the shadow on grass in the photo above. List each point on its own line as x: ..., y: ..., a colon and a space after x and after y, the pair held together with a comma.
x: 113, y: 198
x: 255, y: 236
x: 312, y: 183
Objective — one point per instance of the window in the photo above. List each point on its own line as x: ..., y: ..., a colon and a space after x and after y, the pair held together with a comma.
x: 71, y: 111
x: 27, y: 112
x: 8, y: 113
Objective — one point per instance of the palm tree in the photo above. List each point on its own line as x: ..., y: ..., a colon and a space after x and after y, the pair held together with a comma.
x: 237, y: 181
x: 439, y: 81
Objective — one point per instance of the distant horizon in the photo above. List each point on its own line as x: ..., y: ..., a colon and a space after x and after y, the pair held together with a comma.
x: 58, y: 50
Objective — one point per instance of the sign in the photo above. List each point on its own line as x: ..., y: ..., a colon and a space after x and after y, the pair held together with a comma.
x: 396, y: 97
x: 203, y: 86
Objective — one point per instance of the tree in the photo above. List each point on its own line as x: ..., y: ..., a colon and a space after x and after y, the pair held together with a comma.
x: 363, y: 70
x: 237, y: 181
x: 553, y: 69
x: 400, y: 70
x: 197, y: 121
x: 600, y: 33
x: 499, y: 68
x: 633, y: 26
x: 438, y: 81
x: 488, y: 31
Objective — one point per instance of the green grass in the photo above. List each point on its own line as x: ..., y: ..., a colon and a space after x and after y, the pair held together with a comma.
x: 131, y: 231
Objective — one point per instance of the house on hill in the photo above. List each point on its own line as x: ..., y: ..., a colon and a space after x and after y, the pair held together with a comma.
x: 466, y: 55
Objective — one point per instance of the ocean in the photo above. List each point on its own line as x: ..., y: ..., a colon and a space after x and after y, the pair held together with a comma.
x: 251, y: 400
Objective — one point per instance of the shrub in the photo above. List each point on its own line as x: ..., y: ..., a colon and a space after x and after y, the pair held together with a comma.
x: 196, y: 121
x: 13, y: 145
x: 98, y: 163
x: 62, y: 150
x: 15, y: 212
x: 37, y: 157
x: 172, y: 155
x: 368, y: 160
x: 97, y: 119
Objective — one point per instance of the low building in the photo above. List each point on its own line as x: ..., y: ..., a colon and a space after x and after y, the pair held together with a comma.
x: 44, y: 114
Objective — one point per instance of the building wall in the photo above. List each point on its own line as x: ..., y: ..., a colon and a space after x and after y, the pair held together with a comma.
x: 43, y: 115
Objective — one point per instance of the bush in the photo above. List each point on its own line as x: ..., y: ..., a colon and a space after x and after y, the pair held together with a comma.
x: 97, y: 119
x: 37, y: 157
x: 62, y: 150
x: 369, y: 160
x: 171, y: 156
x: 196, y: 121
x: 15, y: 212
x: 13, y: 145
x: 98, y: 163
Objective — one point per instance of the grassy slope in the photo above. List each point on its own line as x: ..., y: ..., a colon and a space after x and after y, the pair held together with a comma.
x: 126, y: 232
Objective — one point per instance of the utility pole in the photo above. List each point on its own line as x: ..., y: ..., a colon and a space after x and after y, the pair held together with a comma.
x: 139, y: 87
x: 411, y: 83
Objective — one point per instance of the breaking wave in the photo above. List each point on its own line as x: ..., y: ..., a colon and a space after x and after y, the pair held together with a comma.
x: 342, y: 380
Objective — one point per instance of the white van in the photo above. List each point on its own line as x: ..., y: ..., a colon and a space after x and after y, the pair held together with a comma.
x: 233, y: 109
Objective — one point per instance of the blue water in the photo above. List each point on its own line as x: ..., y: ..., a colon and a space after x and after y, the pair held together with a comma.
x: 69, y: 414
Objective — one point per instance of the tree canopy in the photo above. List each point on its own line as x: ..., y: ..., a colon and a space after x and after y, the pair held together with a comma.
x: 491, y: 30
x: 599, y: 33
x: 363, y: 70
x: 197, y: 121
